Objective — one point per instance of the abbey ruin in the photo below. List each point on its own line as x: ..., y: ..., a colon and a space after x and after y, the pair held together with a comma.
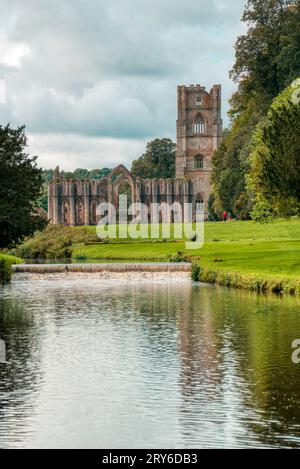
x: 199, y: 130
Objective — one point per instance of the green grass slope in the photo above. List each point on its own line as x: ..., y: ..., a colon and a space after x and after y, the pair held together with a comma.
x: 248, y: 249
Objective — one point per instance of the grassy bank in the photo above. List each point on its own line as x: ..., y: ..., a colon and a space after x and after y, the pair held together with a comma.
x: 5, y: 267
x: 240, y: 254
x: 237, y: 254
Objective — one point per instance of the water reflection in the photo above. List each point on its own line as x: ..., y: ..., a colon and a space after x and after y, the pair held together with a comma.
x: 103, y: 364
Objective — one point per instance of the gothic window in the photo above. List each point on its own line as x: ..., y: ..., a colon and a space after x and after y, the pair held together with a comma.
x: 199, y: 162
x: 198, y: 100
x: 199, y: 126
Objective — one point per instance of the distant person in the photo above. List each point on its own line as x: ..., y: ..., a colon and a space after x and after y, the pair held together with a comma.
x: 225, y: 216
x: 229, y: 216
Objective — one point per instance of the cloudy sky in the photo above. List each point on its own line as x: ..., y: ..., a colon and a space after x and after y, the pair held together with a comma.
x: 93, y: 80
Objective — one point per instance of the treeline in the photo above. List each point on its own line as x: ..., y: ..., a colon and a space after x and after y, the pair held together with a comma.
x: 79, y: 173
x: 256, y: 171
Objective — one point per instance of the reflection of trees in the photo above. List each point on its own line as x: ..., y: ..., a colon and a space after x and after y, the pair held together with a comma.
x: 196, y: 345
x: 234, y: 355
x: 228, y: 352
x: 20, y: 376
x: 262, y: 329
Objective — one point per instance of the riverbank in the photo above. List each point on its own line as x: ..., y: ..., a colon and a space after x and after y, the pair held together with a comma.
x: 6, y: 263
x: 262, y: 258
x: 238, y: 254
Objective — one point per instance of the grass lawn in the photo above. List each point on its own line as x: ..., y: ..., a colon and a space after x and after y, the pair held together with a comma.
x: 271, y: 250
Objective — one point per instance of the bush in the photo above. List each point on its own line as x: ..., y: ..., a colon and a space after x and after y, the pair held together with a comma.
x: 179, y: 257
x: 262, y: 212
x: 5, y: 267
x: 196, y: 271
x: 55, y: 242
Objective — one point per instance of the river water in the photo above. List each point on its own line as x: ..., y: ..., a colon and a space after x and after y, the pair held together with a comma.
x: 97, y: 363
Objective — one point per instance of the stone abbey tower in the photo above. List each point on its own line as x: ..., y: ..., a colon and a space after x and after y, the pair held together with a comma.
x: 199, y: 130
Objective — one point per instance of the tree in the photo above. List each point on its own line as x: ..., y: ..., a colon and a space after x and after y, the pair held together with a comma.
x: 20, y: 186
x: 274, y: 177
x: 157, y: 162
x: 267, y: 59
x: 230, y: 164
x: 261, y: 52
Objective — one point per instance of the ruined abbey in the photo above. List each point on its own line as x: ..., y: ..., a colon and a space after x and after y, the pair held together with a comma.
x: 199, y: 129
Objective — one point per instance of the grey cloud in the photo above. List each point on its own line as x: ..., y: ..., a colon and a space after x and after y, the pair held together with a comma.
x: 108, y: 68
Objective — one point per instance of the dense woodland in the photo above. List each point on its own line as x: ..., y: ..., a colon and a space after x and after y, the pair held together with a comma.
x: 257, y: 168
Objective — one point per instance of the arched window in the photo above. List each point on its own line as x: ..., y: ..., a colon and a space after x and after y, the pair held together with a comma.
x: 199, y: 162
x: 199, y: 126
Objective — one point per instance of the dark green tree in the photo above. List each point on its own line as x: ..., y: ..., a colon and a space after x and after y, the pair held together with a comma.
x: 157, y: 162
x: 267, y: 59
x: 20, y: 186
x: 274, y: 177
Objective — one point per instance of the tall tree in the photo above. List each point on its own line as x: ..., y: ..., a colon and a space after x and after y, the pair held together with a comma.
x: 157, y: 162
x: 267, y: 58
x: 274, y: 177
x: 20, y: 186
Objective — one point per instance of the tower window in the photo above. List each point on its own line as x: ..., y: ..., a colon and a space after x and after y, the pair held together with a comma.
x: 199, y: 126
x: 199, y: 162
x: 198, y: 101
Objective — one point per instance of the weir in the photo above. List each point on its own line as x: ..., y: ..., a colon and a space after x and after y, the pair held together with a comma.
x: 163, y: 267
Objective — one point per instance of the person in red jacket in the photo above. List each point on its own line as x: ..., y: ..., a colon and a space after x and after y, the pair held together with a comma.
x: 225, y: 216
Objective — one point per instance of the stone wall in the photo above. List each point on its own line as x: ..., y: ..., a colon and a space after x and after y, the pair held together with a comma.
x: 75, y: 202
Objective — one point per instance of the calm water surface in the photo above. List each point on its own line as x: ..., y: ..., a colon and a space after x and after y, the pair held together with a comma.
x: 93, y: 363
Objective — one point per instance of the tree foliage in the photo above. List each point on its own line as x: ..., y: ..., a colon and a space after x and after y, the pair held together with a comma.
x: 20, y: 186
x: 158, y: 161
x: 274, y: 177
x: 267, y: 60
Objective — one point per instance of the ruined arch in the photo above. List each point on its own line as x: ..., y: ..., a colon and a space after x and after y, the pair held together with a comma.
x: 115, y: 180
x: 79, y: 212
x: 66, y: 212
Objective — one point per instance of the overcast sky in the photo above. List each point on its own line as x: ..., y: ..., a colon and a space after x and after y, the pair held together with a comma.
x: 93, y: 80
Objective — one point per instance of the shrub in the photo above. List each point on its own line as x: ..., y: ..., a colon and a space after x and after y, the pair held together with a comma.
x: 55, y: 242
x: 80, y: 257
x: 5, y: 267
x: 179, y: 257
x: 196, y: 271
